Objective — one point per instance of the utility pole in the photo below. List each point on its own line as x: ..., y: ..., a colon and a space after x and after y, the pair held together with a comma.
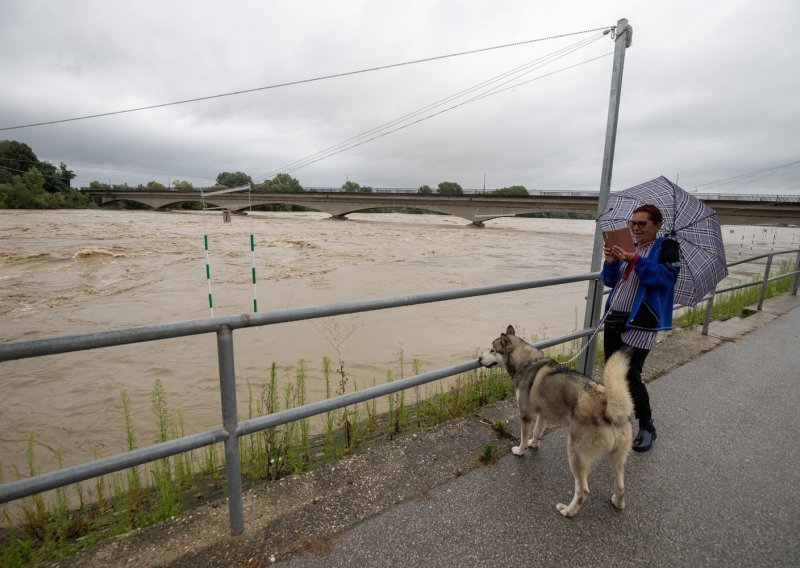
x: 622, y: 36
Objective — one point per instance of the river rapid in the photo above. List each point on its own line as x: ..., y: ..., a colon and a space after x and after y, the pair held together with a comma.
x: 77, y: 271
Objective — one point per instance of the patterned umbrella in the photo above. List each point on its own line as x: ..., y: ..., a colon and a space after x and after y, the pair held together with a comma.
x: 689, y: 221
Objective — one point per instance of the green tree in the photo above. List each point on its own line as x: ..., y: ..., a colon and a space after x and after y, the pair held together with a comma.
x: 512, y: 190
x: 450, y: 187
x: 425, y: 189
x: 155, y: 186
x: 353, y: 187
x: 16, y: 158
x: 235, y: 179
x: 182, y: 185
x: 282, y: 182
x: 26, y: 191
x: 55, y: 179
x: 27, y: 182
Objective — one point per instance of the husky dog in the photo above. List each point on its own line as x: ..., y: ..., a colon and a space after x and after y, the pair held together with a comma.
x: 598, y: 415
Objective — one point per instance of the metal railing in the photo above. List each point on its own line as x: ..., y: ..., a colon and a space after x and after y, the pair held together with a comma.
x: 763, y: 282
x: 232, y: 429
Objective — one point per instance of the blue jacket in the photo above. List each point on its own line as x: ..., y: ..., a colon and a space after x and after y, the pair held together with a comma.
x: 657, y: 273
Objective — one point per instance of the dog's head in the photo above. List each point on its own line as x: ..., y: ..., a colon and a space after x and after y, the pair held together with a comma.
x: 502, y: 348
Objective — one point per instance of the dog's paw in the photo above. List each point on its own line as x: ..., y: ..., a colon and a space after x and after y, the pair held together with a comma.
x: 565, y: 510
x: 518, y: 450
x: 533, y: 443
x: 618, y: 502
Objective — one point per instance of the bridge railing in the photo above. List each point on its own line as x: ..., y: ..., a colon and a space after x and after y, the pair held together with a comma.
x: 703, y: 196
x: 232, y: 429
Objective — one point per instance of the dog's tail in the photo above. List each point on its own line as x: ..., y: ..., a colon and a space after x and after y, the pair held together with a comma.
x: 619, y: 405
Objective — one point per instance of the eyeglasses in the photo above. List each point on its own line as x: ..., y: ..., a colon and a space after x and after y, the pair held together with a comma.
x: 640, y: 224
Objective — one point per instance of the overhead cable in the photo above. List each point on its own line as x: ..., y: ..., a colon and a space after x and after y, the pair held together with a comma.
x: 754, y: 176
x: 301, y: 81
x: 398, y: 124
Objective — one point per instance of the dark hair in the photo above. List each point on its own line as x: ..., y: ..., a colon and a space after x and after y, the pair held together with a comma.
x: 655, y: 213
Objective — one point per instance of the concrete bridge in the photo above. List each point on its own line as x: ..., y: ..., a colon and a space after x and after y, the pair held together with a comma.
x: 474, y: 207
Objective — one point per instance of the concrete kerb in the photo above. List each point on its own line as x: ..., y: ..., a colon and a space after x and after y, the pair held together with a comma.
x: 303, y: 514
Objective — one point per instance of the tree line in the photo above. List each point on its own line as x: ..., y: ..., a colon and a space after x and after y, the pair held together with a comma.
x: 29, y: 183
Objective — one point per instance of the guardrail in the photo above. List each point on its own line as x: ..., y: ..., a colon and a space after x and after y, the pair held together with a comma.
x: 232, y: 429
x: 704, y: 196
x: 765, y: 280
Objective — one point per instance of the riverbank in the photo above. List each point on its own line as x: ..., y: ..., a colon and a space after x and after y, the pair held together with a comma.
x: 302, y: 514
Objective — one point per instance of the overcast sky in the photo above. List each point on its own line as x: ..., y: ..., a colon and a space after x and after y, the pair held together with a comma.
x: 711, y: 91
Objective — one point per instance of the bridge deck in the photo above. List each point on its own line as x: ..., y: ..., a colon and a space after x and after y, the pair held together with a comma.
x: 474, y: 207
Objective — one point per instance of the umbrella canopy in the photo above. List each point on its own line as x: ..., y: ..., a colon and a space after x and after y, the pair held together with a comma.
x: 689, y: 221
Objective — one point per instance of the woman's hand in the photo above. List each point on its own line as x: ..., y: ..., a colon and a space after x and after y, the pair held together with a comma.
x: 619, y: 253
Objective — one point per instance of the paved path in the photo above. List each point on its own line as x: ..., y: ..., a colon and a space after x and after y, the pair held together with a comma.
x: 720, y: 487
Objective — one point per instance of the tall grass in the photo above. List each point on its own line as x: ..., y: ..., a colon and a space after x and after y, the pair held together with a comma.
x: 123, y: 501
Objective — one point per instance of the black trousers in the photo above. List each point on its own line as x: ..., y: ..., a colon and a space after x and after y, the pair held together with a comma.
x: 612, y: 342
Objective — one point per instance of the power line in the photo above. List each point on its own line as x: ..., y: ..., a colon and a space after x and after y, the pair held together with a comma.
x: 762, y: 173
x: 375, y: 133
x: 302, y: 81
x: 440, y: 112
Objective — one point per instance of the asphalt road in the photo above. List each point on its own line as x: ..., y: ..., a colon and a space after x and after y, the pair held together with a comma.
x: 720, y: 487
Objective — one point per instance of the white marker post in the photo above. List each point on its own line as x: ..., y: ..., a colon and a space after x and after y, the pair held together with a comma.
x: 253, y: 253
x: 208, y: 276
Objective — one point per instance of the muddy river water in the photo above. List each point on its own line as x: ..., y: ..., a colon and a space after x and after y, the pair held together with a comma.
x: 64, y: 272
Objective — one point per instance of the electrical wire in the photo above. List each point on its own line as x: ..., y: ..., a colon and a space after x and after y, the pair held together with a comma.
x: 390, y: 127
x: 302, y: 81
x: 755, y: 175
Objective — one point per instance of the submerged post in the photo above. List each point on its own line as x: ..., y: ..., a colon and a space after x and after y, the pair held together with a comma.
x: 622, y: 35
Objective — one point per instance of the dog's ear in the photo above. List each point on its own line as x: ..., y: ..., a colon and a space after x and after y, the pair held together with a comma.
x: 510, y: 330
x: 504, y: 340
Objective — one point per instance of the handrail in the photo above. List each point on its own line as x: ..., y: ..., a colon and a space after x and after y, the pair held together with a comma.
x: 78, y: 342
x: 232, y: 429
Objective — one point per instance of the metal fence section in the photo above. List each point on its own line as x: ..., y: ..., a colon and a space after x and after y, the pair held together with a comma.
x: 765, y: 280
x: 232, y: 429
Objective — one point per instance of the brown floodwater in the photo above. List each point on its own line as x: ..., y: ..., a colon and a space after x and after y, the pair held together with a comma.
x: 65, y: 272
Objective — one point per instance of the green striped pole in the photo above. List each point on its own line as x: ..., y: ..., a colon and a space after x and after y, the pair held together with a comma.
x: 253, y: 253
x: 208, y: 276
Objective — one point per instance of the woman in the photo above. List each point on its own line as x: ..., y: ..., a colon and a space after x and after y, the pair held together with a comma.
x: 642, y: 286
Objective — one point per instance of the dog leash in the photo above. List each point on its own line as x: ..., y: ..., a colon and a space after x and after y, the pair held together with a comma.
x: 597, y: 329
x: 591, y: 338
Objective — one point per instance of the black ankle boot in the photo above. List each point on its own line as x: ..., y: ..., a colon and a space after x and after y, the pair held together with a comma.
x: 647, y: 435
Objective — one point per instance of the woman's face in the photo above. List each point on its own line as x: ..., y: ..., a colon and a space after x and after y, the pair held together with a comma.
x: 643, y: 229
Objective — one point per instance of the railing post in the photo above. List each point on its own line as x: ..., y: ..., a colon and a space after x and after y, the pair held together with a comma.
x: 795, y: 275
x: 709, y: 309
x: 764, y: 283
x: 230, y: 422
